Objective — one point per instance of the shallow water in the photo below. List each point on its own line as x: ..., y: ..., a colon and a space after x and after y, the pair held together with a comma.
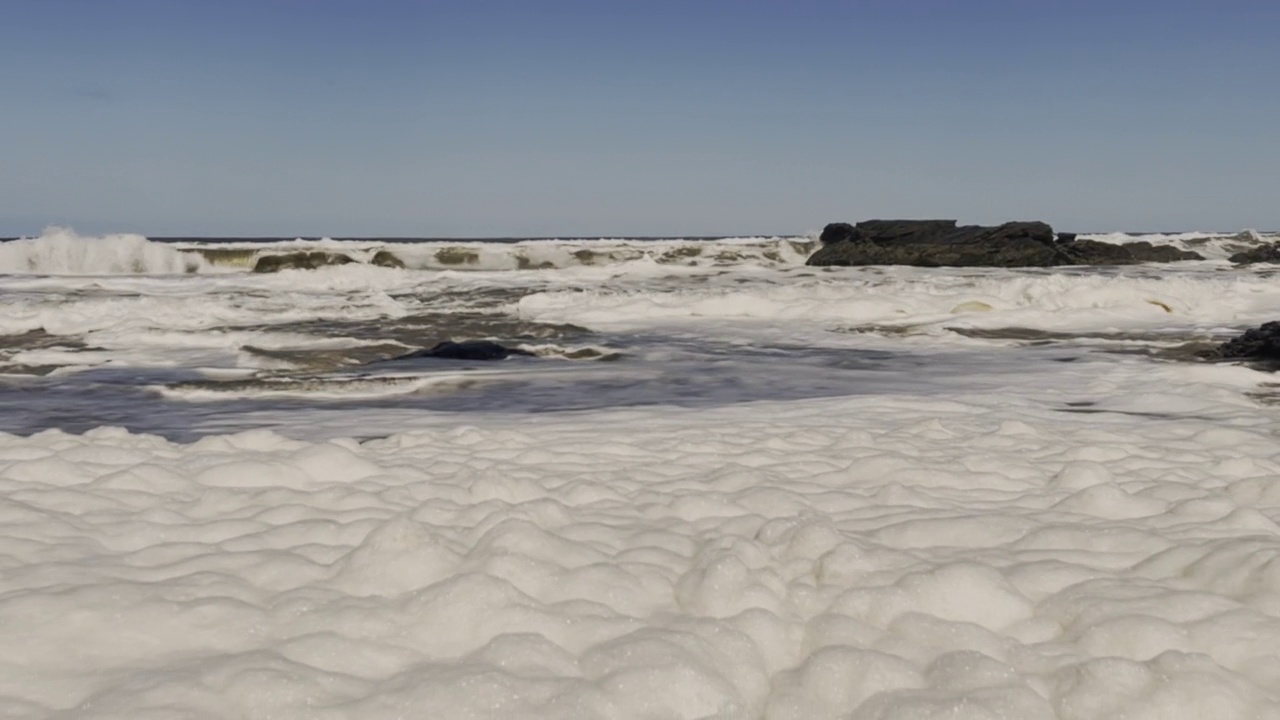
x: 92, y: 341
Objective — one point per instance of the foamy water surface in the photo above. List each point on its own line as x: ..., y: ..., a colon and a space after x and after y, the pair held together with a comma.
x: 724, y: 485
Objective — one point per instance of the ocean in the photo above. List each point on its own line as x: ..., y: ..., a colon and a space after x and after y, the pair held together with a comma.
x: 716, y: 483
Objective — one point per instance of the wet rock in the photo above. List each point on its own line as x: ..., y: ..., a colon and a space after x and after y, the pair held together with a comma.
x: 1269, y: 253
x: 467, y: 350
x: 941, y: 243
x: 1260, y: 343
x: 299, y: 261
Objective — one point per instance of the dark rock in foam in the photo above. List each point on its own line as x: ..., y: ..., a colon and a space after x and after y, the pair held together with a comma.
x: 939, y: 243
x: 299, y: 261
x: 467, y: 350
x: 1260, y: 343
x: 1268, y: 253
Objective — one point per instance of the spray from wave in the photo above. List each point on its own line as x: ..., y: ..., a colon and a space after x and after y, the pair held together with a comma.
x: 60, y: 251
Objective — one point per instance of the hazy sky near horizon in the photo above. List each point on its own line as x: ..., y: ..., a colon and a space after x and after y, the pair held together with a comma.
x: 508, y: 117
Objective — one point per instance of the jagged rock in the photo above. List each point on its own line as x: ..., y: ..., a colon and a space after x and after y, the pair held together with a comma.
x: 386, y: 258
x: 299, y: 261
x: 935, y: 243
x: 1260, y: 343
x: 467, y: 350
x: 1269, y: 253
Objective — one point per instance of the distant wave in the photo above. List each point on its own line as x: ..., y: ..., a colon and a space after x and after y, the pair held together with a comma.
x: 61, y: 251
x: 479, y: 255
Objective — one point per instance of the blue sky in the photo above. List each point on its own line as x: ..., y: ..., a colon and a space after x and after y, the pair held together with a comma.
x: 482, y: 118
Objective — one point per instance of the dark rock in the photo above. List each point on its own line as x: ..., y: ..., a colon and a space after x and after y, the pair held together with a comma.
x: 936, y: 243
x: 1143, y: 251
x: 386, y: 258
x: 1269, y: 253
x: 467, y: 350
x: 920, y: 231
x: 299, y: 261
x: 835, y: 232
x: 1260, y: 343
x: 1094, y: 252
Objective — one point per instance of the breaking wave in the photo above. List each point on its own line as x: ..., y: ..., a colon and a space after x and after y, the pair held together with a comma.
x: 1214, y: 246
x: 60, y: 251
x: 481, y: 255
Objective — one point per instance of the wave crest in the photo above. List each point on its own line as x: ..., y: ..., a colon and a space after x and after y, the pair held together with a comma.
x: 61, y: 251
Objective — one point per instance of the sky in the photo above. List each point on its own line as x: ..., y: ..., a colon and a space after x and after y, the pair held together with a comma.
x: 522, y: 118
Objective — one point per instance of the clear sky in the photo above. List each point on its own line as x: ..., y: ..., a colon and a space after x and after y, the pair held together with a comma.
x: 536, y: 117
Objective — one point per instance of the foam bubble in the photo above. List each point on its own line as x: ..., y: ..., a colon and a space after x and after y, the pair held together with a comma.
x: 687, y: 565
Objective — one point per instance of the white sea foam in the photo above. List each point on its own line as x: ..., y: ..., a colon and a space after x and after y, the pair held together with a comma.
x: 60, y: 251
x: 1211, y: 245
x: 926, y: 300
x: 883, y: 557
x: 542, y: 254
x: 940, y: 526
x: 169, y: 318
x: 334, y: 388
x: 166, y: 321
x: 1154, y: 238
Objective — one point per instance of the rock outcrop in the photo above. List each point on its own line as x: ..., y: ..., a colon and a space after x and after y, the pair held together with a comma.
x: 941, y: 243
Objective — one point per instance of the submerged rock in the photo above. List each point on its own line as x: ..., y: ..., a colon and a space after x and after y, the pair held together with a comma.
x: 939, y: 243
x: 299, y: 261
x: 1260, y: 343
x: 1269, y: 253
x: 1095, y: 252
x: 467, y: 350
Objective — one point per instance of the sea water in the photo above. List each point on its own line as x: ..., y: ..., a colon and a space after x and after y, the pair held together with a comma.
x: 723, y: 484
